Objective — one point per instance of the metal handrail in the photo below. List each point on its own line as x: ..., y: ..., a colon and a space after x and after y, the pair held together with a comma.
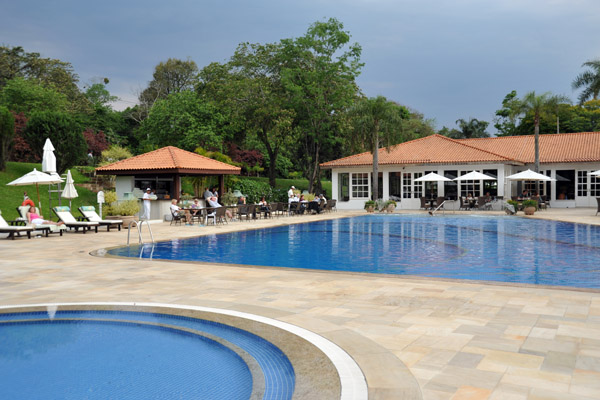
x: 438, y: 207
x: 139, y: 230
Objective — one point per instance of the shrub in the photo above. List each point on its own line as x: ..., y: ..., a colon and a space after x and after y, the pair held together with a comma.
x: 370, y: 203
x: 127, y: 207
x: 254, y: 190
x: 530, y: 203
x: 228, y: 199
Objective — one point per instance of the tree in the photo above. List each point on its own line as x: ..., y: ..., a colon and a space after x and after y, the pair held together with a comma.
x: 589, y: 80
x: 506, y: 117
x: 7, y: 132
x: 318, y: 74
x: 99, y: 96
x: 65, y: 134
x: 538, y: 105
x: 183, y: 120
x: 27, y: 96
x: 96, y: 142
x: 172, y: 76
x: 473, y: 128
x: 377, y: 121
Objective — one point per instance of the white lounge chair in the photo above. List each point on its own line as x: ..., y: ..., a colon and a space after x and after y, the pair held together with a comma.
x: 89, y: 212
x: 14, y: 228
x: 47, y: 229
x: 64, y: 214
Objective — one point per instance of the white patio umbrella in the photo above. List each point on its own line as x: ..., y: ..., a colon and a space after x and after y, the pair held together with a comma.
x: 529, y: 175
x: 595, y: 173
x: 69, y: 191
x: 475, y: 176
x: 432, y: 177
x: 36, y: 178
x: 48, y: 158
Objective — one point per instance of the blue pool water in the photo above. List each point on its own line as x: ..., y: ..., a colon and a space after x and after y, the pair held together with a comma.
x: 506, y: 249
x: 117, y: 354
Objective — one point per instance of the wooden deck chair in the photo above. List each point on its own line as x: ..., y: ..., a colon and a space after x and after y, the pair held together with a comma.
x: 64, y: 214
x: 89, y: 213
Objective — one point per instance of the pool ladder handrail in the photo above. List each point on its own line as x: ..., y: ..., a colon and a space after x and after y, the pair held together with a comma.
x: 438, y: 207
x: 139, y: 230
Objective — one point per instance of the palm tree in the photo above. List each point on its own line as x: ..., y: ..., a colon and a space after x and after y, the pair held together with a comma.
x: 589, y: 80
x: 377, y: 121
x: 537, y: 105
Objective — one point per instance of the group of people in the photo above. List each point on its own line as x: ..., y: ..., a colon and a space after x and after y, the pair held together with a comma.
x: 304, y: 204
x: 195, y: 209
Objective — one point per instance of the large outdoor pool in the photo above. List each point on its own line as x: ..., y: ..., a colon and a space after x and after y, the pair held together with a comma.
x: 488, y: 248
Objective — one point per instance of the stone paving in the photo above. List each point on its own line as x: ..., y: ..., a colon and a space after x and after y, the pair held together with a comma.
x: 413, y: 337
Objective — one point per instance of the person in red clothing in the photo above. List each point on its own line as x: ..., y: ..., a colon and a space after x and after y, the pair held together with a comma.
x: 27, y: 201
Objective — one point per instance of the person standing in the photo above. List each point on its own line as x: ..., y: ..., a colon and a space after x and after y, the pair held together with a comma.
x: 291, y: 192
x: 147, y: 198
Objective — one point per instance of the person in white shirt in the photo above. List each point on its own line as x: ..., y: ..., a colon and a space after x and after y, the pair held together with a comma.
x: 147, y: 198
x: 212, y: 202
x: 291, y: 191
x: 176, y: 210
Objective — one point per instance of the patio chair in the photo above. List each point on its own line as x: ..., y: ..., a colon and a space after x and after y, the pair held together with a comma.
x: 242, y: 211
x: 424, y: 203
x: 333, y: 204
x: 176, y: 217
x: 64, y: 214
x: 12, y: 227
x: 89, y: 213
x: 45, y: 229
x: 439, y: 200
x: 294, y: 207
x: 598, y: 200
x: 218, y: 215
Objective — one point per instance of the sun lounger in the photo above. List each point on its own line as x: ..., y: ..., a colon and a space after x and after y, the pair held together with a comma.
x: 17, y: 227
x: 89, y: 213
x: 45, y: 229
x: 64, y: 214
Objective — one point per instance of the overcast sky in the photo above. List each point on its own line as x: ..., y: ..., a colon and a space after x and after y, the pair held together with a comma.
x: 447, y: 59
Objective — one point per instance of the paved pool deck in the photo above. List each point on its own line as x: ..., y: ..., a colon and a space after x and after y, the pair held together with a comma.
x: 413, y: 338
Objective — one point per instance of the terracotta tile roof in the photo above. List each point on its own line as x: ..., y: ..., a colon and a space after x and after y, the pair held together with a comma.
x: 168, y: 159
x: 437, y: 149
x: 434, y: 149
x: 555, y: 148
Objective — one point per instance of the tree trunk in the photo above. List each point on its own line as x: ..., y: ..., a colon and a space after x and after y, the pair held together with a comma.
x: 537, y: 152
x: 376, y: 165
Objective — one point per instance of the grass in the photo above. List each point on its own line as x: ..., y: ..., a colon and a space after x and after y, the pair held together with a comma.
x: 12, y: 196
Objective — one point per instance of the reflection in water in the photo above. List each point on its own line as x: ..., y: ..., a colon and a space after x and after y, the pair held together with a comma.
x: 505, y: 249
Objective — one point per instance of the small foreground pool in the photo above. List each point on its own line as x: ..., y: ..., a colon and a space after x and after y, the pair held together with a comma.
x: 485, y: 248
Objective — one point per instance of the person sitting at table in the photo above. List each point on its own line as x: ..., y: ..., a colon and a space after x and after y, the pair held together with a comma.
x: 195, y: 207
x: 303, y: 204
x: 323, y: 199
x: 293, y: 199
x: 313, y: 205
x: 470, y: 200
x: 264, y: 206
x: 525, y: 194
x: 176, y: 210
x: 212, y: 202
x: 241, y: 200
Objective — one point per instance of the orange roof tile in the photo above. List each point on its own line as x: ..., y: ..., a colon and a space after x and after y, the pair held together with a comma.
x: 434, y: 149
x: 437, y: 149
x: 169, y: 160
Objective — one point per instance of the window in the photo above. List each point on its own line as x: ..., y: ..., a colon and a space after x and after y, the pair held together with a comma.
x: 582, y: 183
x: 418, y: 191
x: 360, y: 185
x: 395, y: 184
x: 406, y: 185
x: 594, y: 186
x: 565, y: 184
x: 490, y: 186
x: 469, y: 187
x: 431, y: 187
x: 450, y: 187
x: 344, y: 186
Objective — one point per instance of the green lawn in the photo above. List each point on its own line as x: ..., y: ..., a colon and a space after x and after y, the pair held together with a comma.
x: 12, y: 196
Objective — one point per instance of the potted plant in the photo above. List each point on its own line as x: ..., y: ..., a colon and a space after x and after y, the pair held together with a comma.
x: 370, y: 205
x: 124, y: 210
x: 515, y: 204
x: 529, y: 206
x: 390, y: 206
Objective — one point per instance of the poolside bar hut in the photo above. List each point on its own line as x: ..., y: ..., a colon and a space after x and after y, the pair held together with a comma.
x: 161, y: 170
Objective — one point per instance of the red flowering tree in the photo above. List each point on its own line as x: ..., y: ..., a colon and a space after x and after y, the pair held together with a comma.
x: 21, y: 150
x: 248, y: 158
x: 96, y: 142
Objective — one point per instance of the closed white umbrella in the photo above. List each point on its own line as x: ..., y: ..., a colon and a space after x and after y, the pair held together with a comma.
x: 432, y: 177
x: 36, y: 178
x: 529, y: 175
x: 595, y: 173
x: 48, y: 158
x: 475, y: 176
x: 69, y: 191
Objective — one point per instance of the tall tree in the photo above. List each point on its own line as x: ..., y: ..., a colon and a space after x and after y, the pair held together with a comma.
x: 171, y: 76
x: 589, y: 80
x: 539, y: 105
x: 377, y: 122
x: 65, y: 134
x: 7, y: 132
x: 26, y: 96
x: 318, y: 73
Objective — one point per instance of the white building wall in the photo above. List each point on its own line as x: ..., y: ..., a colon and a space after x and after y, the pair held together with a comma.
x: 123, y: 184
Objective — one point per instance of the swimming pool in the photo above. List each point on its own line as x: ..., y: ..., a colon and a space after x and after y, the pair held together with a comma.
x: 101, y: 354
x: 487, y: 248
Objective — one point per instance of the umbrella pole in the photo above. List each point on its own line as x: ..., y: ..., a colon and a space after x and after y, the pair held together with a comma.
x: 38, y: 193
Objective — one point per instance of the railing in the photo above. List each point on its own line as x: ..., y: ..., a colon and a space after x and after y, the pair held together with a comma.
x: 139, y: 230
x: 438, y: 207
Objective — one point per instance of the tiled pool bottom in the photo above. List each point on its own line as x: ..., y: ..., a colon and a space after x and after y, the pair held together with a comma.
x: 320, y: 368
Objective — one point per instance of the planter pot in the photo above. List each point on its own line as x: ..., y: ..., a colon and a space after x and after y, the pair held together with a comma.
x: 125, y: 218
x: 390, y: 208
x: 529, y: 210
x: 370, y: 209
